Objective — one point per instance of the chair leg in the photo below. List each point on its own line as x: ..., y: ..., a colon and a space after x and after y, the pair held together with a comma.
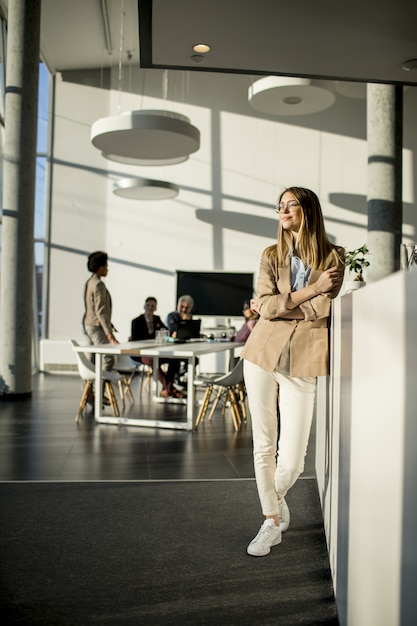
x: 236, y: 400
x: 242, y: 398
x: 231, y: 397
x: 112, y: 398
x: 121, y: 392
x: 145, y: 380
x: 141, y: 381
x: 127, y: 381
x: 204, y: 406
x: 87, y: 389
x: 234, y: 405
x: 225, y: 401
x: 216, y: 402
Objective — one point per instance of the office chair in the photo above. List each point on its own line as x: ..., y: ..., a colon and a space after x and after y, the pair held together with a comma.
x: 127, y: 368
x: 88, y: 374
x: 231, y: 387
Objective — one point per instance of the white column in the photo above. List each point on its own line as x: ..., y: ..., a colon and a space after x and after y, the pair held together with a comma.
x: 384, y: 129
x: 19, y: 172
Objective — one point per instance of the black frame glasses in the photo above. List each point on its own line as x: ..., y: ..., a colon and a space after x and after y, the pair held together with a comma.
x: 290, y: 206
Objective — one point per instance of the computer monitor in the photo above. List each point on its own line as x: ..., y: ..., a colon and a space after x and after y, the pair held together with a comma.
x: 219, y: 294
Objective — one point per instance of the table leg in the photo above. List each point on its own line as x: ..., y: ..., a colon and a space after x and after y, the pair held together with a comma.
x: 99, y: 384
x: 155, y: 366
x: 190, y: 392
x: 231, y: 357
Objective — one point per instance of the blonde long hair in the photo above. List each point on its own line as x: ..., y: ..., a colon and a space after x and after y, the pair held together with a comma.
x: 313, y: 245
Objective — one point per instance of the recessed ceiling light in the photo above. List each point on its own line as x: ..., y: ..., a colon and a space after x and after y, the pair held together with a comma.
x: 292, y: 100
x: 201, y: 48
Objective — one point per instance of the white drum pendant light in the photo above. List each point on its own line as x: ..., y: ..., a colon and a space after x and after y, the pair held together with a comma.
x: 145, y: 189
x: 150, y: 136
x: 152, y: 162
x: 282, y: 95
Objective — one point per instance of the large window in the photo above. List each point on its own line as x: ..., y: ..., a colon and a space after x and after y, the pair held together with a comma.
x: 41, y: 186
x: 2, y: 98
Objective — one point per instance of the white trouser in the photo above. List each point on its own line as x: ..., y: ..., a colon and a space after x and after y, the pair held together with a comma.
x: 276, y: 474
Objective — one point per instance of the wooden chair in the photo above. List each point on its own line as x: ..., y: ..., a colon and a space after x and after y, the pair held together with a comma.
x: 231, y: 387
x: 127, y: 368
x: 145, y: 377
x: 88, y: 374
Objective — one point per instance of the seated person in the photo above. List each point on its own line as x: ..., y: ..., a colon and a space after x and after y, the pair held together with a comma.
x: 184, y: 307
x: 251, y: 317
x: 145, y: 327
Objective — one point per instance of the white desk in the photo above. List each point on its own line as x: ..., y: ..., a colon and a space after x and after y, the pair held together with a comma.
x: 186, y: 351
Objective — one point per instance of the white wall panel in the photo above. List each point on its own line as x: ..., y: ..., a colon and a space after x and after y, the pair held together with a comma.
x: 367, y: 453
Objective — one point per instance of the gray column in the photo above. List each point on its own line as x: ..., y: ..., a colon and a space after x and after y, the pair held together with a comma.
x: 384, y: 128
x: 19, y: 172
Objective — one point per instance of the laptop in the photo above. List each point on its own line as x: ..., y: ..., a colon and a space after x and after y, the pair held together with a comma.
x: 188, y: 329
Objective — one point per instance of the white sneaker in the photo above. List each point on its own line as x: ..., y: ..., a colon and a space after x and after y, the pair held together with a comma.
x: 269, y: 535
x: 283, y: 515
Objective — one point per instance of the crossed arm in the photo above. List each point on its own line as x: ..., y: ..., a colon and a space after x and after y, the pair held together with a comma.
x: 309, y: 303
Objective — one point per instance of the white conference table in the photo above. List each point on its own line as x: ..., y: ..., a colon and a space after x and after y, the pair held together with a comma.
x: 189, y: 352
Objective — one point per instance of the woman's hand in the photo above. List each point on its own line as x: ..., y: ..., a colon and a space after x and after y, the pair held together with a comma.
x: 329, y: 280
x: 254, y: 305
x: 112, y: 339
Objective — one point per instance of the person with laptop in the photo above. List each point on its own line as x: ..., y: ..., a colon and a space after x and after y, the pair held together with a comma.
x: 185, y: 306
x: 144, y: 327
x: 180, y: 323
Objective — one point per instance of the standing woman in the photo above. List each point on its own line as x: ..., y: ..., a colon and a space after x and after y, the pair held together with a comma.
x: 97, y: 318
x: 287, y: 350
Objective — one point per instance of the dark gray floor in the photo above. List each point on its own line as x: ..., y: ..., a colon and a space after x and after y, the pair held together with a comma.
x: 74, y: 555
x: 166, y: 553
x: 40, y: 441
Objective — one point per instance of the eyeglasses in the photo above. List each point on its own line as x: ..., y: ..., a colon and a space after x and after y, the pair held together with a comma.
x: 290, y: 206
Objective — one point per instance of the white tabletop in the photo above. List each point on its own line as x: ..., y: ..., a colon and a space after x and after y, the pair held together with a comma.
x: 189, y: 349
x: 128, y: 347
x: 149, y: 347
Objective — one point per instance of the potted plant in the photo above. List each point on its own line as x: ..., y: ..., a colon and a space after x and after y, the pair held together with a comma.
x: 355, y: 262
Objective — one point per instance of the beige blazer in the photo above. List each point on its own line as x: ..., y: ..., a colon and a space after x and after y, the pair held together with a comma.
x: 305, y: 327
x: 98, y: 305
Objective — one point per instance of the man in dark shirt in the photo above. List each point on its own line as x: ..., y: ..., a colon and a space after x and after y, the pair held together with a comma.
x: 184, y: 307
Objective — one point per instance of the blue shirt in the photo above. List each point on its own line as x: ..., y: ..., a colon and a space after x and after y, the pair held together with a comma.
x: 299, y: 273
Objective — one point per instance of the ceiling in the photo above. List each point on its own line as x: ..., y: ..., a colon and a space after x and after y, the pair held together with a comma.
x: 359, y: 40
x: 356, y: 40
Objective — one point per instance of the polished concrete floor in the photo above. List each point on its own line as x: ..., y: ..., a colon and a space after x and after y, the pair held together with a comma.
x: 116, y: 573
x: 40, y: 441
